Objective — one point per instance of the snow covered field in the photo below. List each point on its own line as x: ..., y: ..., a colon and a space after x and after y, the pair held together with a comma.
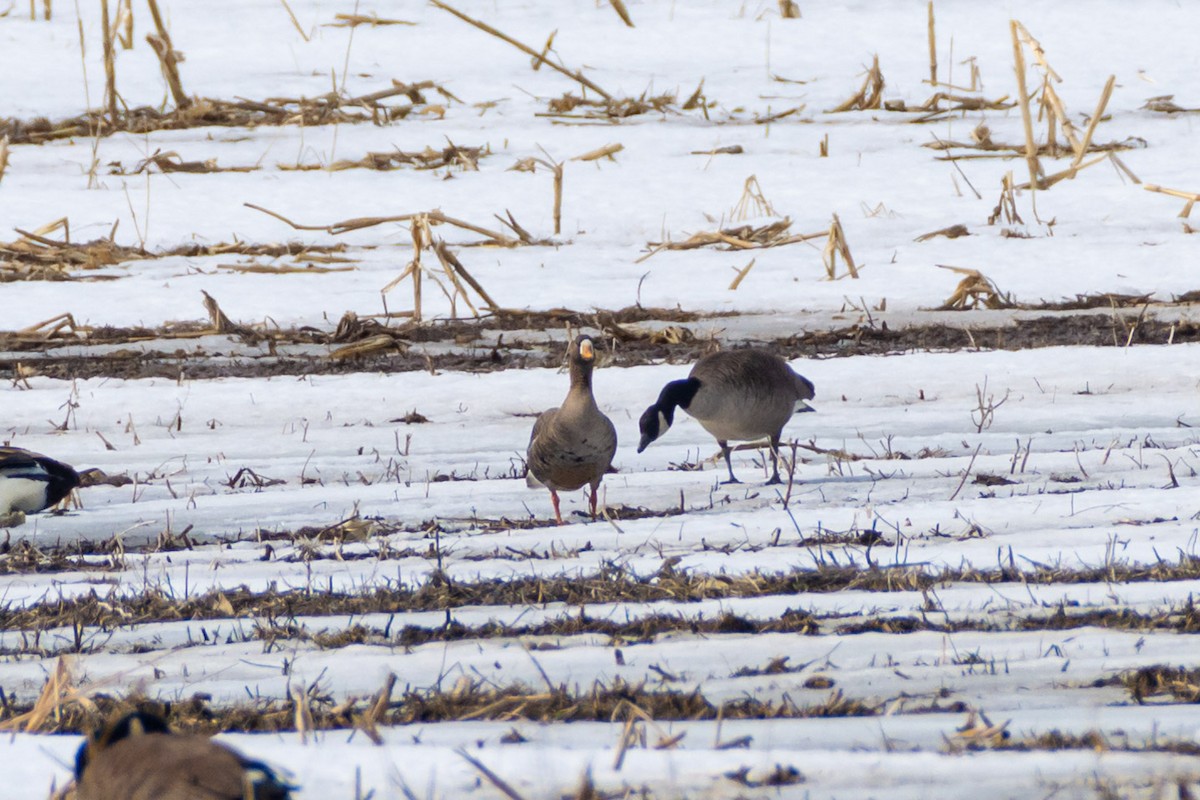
x: 985, y: 537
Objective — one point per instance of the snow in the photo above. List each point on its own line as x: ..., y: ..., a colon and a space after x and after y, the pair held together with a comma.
x: 1108, y: 430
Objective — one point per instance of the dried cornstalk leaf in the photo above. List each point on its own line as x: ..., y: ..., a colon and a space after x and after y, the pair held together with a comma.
x: 607, y: 151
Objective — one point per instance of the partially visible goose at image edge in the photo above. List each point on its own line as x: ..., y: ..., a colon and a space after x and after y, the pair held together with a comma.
x: 735, y: 395
x: 573, y: 445
x: 31, y: 482
x: 138, y: 758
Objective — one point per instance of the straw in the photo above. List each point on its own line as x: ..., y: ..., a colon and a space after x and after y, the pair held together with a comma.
x: 168, y: 58
x: 483, y: 26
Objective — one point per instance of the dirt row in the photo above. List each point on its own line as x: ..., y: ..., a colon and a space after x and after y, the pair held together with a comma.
x: 517, y: 340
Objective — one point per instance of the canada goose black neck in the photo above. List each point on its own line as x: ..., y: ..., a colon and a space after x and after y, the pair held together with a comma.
x: 677, y: 394
x: 63, y: 480
x: 658, y: 418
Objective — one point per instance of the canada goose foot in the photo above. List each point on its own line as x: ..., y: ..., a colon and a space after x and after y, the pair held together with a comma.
x: 775, y: 481
x: 731, y: 480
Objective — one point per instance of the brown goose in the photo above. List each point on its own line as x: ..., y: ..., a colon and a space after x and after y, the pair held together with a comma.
x: 573, y: 445
x: 734, y: 394
x: 138, y: 758
x: 31, y: 482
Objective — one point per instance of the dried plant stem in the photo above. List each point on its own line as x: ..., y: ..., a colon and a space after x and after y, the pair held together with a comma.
x: 1039, y: 53
x: 483, y: 26
x: 537, y: 61
x: 123, y: 25
x: 220, y: 322
x: 1023, y: 96
x: 110, y: 73
x: 295, y: 22
x: 607, y: 151
x: 420, y: 229
x: 1058, y: 111
x: 933, y: 78
x: 836, y: 246
x: 1191, y: 197
x: 345, y: 226
x: 741, y: 273
x: 558, y: 195
x: 500, y: 784
x: 1095, y: 120
x: 622, y: 12
x: 966, y: 472
x: 448, y: 257
x: 161, y: 42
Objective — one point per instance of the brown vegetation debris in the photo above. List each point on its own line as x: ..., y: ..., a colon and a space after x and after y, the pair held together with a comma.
x: 72, y: 711
x: 451, y: 156
x: 870, y: 94
x: 953, y: 232
x: 611, y: 108
x: 987, y: 479
x: 973, y: 291
x: 171, y: 161
x: 953, y: 103
x: 35, y: 257
x: 732, y: 149
x: 327, y: 109
x: 1178, y: 684
x: 372, y: 19
x: 1165, y: 104
x: 741, y: 237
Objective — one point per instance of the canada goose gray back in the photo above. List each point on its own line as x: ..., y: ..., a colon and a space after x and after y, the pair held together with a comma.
x: 735, y: 395
x: 573, y: 445
x: 138, y: 758
x: 31, y: 482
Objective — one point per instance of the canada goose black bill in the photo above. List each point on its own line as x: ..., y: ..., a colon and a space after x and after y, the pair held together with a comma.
x: 573, y: 445
x: 31, y: 482
x: 138, y: 758
x: 735, y: 395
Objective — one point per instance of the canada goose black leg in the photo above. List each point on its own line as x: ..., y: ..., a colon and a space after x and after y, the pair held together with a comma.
x: 728, y: 463
x: 593, y: 500
x: 774, y: 449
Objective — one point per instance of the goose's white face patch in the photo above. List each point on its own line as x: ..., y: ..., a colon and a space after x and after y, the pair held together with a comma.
x: 664, y: 424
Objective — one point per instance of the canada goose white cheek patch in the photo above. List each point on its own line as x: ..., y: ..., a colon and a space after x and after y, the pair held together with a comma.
x: 664, y: 424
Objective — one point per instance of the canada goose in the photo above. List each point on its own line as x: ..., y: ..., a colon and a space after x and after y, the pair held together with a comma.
x: 574, y: 444
x: 31, y: 482
x: 138, y: 758
x: 734, y: 394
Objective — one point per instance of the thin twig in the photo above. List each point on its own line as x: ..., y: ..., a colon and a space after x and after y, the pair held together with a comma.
x: 539, y: 57
x: 967, y: 471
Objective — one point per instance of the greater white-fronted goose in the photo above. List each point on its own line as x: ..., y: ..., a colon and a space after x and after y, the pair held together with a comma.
x: 573, y: 445
x: 139, y: 758
x: 31, y: 482
x: 735, y: 395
